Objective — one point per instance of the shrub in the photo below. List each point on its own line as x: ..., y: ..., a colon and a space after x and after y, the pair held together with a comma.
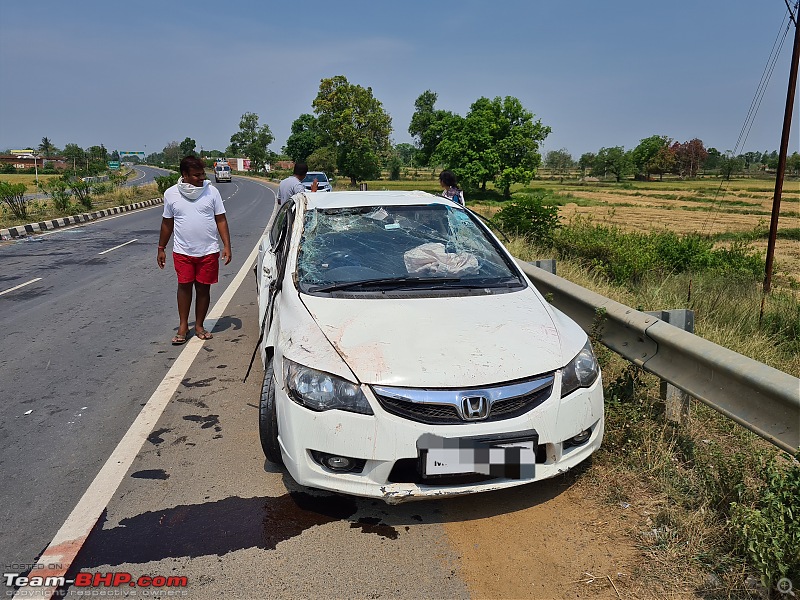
x: 530, y: 217
x: 167, y: 181
x: 769, y: 531
x: 59, y: 191
x: 626, y: 258
x: 13, y: 196
x: 83, y: 192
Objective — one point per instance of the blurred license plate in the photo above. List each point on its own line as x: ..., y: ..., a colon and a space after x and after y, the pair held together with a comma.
x: 510, y: 460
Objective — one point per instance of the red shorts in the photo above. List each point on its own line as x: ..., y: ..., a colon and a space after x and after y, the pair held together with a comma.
x: 202, y: 269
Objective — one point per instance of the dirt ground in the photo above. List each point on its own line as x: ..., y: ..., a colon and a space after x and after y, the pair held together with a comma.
x: 546, y: 541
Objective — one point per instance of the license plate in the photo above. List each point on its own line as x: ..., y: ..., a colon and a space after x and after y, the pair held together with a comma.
x: 458, y: 456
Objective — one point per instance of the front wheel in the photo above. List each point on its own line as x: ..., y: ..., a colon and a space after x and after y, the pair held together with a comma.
x: 268, y: 418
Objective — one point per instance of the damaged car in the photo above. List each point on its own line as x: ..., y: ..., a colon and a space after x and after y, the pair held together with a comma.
x: 407, y: 356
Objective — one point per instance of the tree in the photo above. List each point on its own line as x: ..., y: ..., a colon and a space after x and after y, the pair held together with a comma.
x: 74, y: 154
x: 405, y: 152
x: 644, y: 156
x: 689, y: 157
x: 497, y: 141
x: 304, y: 138
x: 612, y: 160
x: 323, y: 159
x: 115, y: 155
x: 793, y: 164
x: 187, y: 147
x: 172, y: 154
x: 428, y: 126
x: 663, y: 161
x: 713, y: 160
x: 559, y: 161
x: 730, y: 165
x: 253, y: 141
x: 46, y: 147
x: 586, y: 162
x: 353, y: 121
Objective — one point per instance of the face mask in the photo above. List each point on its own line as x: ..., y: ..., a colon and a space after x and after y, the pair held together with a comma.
x: 189, y: 191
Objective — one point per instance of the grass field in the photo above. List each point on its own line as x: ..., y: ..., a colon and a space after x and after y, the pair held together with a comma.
x: 28, y: 180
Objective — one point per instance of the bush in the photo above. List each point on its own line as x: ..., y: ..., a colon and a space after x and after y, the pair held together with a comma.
x: 530, y: 217
x: 83, y: 191
x: 626, y: 258
x: 12, y: 195
x: 59, y: 191
x: 769, y: 531
x: 167, y: 181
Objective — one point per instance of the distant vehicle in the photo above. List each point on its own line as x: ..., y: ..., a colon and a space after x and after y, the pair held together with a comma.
x: 222, y: 172
x: 323, y: 183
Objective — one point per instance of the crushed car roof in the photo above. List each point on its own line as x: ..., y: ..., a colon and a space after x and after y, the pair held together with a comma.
x: 352, y: 198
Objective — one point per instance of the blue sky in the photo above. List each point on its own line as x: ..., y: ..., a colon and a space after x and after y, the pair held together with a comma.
x: 138, y: 75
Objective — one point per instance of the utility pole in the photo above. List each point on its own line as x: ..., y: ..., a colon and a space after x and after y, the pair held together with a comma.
x: 787, y: 125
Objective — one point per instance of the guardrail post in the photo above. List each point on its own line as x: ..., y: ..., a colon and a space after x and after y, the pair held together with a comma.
x: 547, y: 264
x: 676, y: 401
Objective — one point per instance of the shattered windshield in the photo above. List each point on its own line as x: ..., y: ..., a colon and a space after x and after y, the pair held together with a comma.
x: 391, y: 247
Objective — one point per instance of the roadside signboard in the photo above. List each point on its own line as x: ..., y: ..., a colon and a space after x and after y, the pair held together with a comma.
x: 113, y: 164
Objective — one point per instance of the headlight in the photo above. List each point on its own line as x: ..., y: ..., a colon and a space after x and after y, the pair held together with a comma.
x: 317, y: 390
x: 580, y: 372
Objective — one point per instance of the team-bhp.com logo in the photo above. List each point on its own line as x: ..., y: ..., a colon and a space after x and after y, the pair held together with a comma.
x: 96, y: 580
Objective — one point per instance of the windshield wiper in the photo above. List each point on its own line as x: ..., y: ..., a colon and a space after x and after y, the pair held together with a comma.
x: 382, y: 281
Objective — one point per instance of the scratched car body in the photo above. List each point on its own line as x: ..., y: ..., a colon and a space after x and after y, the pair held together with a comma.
x: 407, y: 356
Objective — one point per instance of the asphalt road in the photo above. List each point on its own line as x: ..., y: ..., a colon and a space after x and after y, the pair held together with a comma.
x: 85, y: 342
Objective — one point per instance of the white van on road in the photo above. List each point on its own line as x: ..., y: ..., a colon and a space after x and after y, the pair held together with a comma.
x: 222, y: 172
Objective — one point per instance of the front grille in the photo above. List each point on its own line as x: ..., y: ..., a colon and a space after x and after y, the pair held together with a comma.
x: 448, y: 413
x: 434, y: 414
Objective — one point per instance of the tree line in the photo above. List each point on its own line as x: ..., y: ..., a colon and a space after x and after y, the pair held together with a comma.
x: 660, y: 155
x: 498, y: 141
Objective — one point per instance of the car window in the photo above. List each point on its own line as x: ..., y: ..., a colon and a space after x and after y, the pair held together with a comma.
x: 320, y: 177
x: 377, y: 242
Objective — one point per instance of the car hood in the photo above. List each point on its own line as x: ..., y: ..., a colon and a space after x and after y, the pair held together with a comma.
x: 445, y: 342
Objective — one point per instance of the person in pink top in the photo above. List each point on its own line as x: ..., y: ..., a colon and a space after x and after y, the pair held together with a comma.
x: 194, y: 212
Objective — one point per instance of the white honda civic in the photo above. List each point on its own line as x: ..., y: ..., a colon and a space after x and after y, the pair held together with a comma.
x: 407, y: 356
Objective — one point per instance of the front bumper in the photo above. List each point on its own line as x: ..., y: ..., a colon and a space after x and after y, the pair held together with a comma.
x: 385, y: 441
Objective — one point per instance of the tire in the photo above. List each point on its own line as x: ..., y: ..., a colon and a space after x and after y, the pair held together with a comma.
x: 268, y: 418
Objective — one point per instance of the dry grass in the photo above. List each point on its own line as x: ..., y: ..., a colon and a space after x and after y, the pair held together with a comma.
x: 28, y: 180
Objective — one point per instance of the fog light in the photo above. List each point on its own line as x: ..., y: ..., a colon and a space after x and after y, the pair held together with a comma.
x: 340, y: 464
x: 581, y: 438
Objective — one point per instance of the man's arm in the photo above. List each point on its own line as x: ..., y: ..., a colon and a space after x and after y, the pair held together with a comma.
x: 225, y: 236
x: 167, y: 226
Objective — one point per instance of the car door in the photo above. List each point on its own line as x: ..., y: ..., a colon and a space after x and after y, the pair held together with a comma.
x: 272, y: 254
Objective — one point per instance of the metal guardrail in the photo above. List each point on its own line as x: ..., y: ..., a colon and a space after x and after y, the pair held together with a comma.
x: 763, y: 399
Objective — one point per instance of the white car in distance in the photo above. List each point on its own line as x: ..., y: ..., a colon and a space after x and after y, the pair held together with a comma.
x: 407, y: 356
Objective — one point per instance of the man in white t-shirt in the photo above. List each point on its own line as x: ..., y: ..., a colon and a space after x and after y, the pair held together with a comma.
x: 294, y: 183
x: 193, y: 210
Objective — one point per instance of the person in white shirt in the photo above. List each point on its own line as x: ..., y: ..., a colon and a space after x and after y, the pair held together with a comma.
x: 294, y: 183
x: 194, y: 211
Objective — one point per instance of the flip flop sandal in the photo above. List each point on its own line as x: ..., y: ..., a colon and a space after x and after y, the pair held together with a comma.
x: 204, y: 335
x: 180, y: 339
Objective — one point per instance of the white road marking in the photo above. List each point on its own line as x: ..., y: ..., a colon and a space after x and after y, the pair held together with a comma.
x: 120, y: 246
x: 96, y: 221
x: 73, y: 533
x: 21, y: 285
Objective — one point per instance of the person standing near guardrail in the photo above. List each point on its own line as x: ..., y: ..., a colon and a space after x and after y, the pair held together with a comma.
x: 194, y: 211
x: 294, y: 183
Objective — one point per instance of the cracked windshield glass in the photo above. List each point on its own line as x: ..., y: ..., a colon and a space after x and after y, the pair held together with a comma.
x: 382, y: 246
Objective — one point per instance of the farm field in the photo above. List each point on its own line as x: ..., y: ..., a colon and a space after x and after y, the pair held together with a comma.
x: 706, y: 207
